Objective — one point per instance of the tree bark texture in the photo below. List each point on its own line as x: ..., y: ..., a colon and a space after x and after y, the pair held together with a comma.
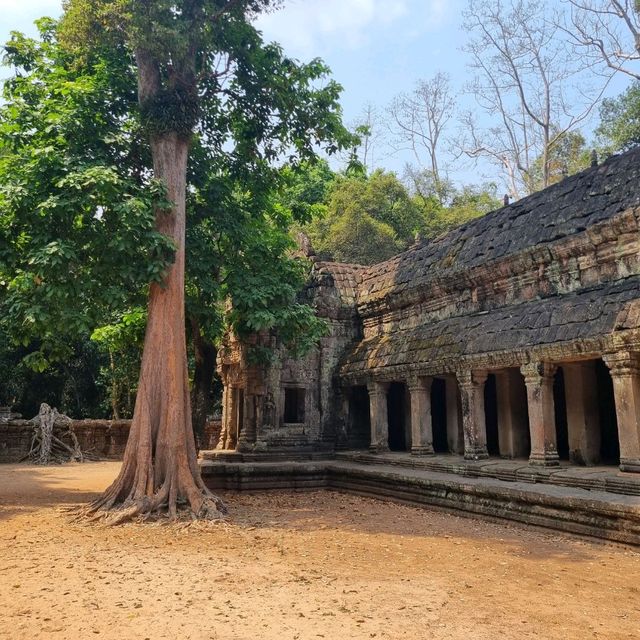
x: 160, y: 469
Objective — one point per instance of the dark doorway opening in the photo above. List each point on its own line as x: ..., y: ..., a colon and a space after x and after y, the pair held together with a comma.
x: 491, y: 415
x: 396, y: 410
x: 359, y: 426
x: 294, y: 398
x: 609, y: 441
x: 560, y: 408
x: 439, y: 415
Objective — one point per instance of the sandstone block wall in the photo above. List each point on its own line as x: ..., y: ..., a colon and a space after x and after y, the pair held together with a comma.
x: 105, y: 439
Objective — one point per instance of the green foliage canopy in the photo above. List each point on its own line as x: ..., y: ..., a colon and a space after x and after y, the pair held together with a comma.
x: 619, y: 128
x: 76, y: 202
x: 80, y: 246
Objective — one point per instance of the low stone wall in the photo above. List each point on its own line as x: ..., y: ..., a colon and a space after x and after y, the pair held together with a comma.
x: 591, y: 513
x: 99, y: 438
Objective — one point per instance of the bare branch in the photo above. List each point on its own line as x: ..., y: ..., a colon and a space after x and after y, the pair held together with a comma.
x: 529, y: 82
x: 608, y: 32
x: 420, y: 118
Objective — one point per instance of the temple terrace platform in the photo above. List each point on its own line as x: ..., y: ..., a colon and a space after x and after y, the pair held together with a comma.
x: 595, y: 501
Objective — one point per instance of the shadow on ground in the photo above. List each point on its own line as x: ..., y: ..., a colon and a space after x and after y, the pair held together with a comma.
x: 28, y: 487
x: 341, y: 512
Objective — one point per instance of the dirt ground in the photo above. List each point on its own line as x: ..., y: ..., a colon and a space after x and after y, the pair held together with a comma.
x: 297, y: 565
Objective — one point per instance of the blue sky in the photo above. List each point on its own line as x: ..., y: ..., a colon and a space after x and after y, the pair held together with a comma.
x: 375, y: 48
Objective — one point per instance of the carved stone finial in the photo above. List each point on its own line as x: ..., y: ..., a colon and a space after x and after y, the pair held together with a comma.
x: 304, y: 245
x: 506, y: 199
x: 594, y: 158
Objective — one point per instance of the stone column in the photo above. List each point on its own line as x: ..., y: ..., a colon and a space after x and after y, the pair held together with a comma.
x: 234, y: 415
x: 583, y: 417
x: 513, y: 427
x: 379, y: 417
x: 421, y: 433
x: 625, y: 372
x: 455, y: 435
x: 473, y: 416
x: 343, y: 419
x: 247, y: 436
x: 538, y: 376
x: 222, y: 440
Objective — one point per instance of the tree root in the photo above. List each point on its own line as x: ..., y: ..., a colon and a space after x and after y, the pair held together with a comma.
x: 46, y: 447
x: 211, y: 509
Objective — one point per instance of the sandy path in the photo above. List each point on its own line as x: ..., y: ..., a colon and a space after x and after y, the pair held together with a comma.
x: 306, y: 565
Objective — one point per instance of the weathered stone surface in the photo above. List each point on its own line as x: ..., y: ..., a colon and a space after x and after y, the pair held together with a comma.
x: 99, y: 438
x: 595, y: 314
x: 551, y: 280
x: 574, y: 510
x: 260, y: 424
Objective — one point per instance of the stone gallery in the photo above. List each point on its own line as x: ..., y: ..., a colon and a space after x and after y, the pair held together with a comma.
x: 515, y: 336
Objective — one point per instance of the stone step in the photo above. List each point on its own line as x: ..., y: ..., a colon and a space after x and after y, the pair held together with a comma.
x: 608, y: 479
x: 600, y: 514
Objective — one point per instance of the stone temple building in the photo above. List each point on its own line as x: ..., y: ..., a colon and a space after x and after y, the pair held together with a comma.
x: 516, y: 335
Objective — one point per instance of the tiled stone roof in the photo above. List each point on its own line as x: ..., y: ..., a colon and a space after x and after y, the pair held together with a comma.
x: 581, y: 315
x: 564, y: 209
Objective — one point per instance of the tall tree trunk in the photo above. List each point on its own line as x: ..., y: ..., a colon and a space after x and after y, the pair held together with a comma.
x: 205, y: 368
x: 160, y: 467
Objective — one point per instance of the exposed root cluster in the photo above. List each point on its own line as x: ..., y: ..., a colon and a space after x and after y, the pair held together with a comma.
x: 148, y: 508
x: 46, y: 446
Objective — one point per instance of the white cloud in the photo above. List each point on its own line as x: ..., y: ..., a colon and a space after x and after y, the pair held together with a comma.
x: 313, y: 27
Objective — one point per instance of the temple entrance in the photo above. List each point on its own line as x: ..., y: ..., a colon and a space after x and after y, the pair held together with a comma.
x: 585, y: 414
x: 359, y: 420
x: 560, y: 408
x: 439, y: 415
x: 397, y: 405
x: 491, y: 415
x: 455, y: 433
x: 514, y: 438
x: 237, y: 417
x: 609, y: 440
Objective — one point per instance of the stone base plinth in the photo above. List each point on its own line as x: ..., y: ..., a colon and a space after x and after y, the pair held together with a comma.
x: 476, y: 454
x: 379, y: 448
x: 423, y: 450
x: 544, y: 460
x: 632, y: 466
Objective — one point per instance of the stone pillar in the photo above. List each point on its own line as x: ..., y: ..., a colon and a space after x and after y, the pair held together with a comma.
x: 473, y: 416
x: 247, y: 436
x: 513, y: 424
x: 625, y: 372
x: 421, y: 433
x: 583, y: 417
x: 538, y: 376
x: 222, y: 440
x: 379, y: 417
x: 234, y: 415
x: 344, y: 418
x: 455, y: 434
